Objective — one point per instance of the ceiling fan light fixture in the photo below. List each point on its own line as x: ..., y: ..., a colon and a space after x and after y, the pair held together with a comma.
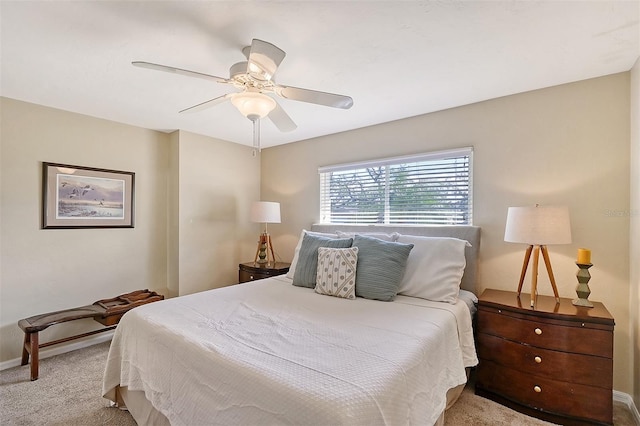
x: 253, y: 105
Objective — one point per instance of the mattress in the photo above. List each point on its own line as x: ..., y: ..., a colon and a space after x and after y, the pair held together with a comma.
x: 267, y: 352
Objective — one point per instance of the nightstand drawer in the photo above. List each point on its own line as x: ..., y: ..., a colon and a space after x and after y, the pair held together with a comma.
x: 544, y: 394
x: 246, y: 276
x: 557, y: 335
x: 254, y: 271
x: 563, y: 366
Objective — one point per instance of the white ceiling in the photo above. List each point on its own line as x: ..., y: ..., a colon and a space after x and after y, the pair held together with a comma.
x: 396, y: 59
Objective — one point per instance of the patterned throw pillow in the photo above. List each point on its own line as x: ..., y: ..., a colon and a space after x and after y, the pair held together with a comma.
x: 337, y: 272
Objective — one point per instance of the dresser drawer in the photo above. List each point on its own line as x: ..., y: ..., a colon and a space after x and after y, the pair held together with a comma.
x: 544, y: 394
x: 564, y: 336
x: 562, y: 366
x: 553, y: 360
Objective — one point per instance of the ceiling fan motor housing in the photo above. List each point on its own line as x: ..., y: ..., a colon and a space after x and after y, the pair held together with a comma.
x: 241, y: 78
x: 238, y: 69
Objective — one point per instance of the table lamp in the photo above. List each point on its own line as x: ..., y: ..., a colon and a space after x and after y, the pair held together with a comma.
x: 538, y: 227
x: 265, y: 212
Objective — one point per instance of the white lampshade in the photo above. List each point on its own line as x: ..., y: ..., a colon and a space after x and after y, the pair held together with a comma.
x: 253, y: 105
x: 538, y: 225
x: 265, y: 212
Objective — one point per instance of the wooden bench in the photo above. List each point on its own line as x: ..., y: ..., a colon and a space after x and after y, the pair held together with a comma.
x: 107, y: 312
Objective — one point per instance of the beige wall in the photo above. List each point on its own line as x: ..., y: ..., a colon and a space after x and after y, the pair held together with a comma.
x: 634, y: 300
x: 191, y: 229
x: 173, y: 216
x: 53, y: 269
x: 564, y: 145
x: 218, y: 182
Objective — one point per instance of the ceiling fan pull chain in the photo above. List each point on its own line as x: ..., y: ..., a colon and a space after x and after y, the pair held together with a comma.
x: 256, y: 136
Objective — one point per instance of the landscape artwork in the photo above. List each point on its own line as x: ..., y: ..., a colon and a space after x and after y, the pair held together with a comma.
x: 86, y: 197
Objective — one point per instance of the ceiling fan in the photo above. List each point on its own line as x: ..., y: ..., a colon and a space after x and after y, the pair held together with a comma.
x: 255, y: 80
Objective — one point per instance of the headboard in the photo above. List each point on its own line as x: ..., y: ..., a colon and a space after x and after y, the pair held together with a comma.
x: 463, y: 232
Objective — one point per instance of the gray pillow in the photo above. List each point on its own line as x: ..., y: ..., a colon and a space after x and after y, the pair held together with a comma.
x: 307, y: 265
x: 380, y: 268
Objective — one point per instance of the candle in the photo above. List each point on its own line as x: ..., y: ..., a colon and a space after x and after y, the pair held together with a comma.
x: 584, y: 256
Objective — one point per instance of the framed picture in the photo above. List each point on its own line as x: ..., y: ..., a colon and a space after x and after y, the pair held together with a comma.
x: 84, y: 197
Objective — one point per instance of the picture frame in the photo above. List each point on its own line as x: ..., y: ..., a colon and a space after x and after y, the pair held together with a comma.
x: 86, y: 197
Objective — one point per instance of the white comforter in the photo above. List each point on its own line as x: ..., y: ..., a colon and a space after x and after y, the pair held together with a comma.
x: 267, y: 352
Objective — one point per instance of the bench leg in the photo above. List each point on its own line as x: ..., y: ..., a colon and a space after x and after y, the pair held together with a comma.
x: 31, y: 347
x: 25, y: 352
x: 35, y: 356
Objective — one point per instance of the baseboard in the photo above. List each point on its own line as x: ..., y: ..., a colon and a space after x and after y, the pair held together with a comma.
x: 625, y: 398
x: 62, y: 348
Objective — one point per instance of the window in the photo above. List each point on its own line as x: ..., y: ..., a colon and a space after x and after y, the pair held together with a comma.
x: 427, y: 189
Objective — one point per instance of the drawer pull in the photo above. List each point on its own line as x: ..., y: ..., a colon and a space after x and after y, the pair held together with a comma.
x: 537, y: 359
x: 250, y: 276
x: 538, y: 331
x: 538, y: 389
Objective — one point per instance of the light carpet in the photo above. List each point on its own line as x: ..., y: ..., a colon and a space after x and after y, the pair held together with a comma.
x: 68, y: 393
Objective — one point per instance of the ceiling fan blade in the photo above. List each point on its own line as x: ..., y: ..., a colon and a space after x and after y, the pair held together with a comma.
x: 208, y: 104
x: 264, y: 59
x: 179, y: 71
x: 281, y: 119
x: 314, y: 97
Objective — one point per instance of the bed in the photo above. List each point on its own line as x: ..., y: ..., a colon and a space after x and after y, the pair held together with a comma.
x: 276, y: 352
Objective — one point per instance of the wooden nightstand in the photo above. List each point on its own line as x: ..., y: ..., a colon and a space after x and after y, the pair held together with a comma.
x: 254, y: 271
x: 553, y: 361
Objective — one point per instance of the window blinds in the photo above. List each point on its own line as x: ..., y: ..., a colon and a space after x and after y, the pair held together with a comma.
x: 430, y: 189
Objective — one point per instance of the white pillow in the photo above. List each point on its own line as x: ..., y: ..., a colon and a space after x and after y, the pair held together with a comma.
x: 470, y: 300
x: 434, y: 268
x: 393, y: 237
x: 336, y: 274
x: 296, y: 252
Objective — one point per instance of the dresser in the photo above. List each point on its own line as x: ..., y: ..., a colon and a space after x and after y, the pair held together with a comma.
x: 256, y: 271
x: 553, y: 361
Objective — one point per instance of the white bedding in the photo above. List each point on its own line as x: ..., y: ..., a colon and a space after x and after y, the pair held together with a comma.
x: 267, y: 352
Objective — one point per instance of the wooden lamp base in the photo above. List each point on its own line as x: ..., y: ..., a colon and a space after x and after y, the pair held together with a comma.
x: 264, y: 249
x: 534, y: 273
